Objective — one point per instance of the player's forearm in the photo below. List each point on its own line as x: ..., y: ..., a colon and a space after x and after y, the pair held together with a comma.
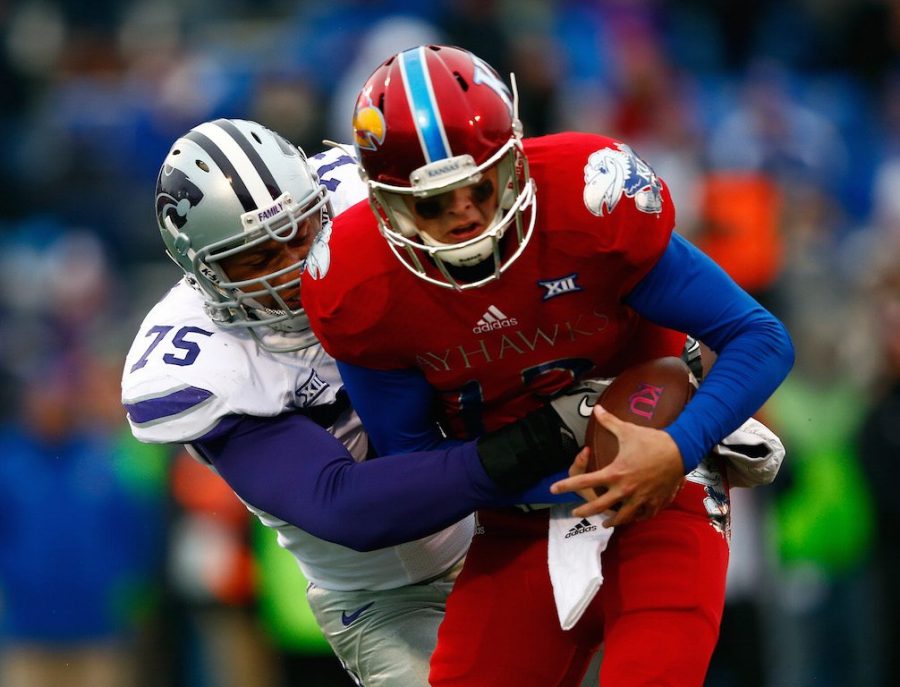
x: 522, y: 459
x: 688, y: 292
x: 730, y: 394
x: 293, y: 469
x: 296, y: 471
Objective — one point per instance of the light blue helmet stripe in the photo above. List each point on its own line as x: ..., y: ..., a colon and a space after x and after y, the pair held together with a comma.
x: 420, y: 95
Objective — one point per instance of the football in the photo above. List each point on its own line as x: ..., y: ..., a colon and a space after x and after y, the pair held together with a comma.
x: 650, y: 394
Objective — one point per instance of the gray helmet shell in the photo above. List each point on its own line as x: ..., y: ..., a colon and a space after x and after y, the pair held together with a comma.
x: 225, y: 187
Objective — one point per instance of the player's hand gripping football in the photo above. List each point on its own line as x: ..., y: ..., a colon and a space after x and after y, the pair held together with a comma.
x: 628, y: 462
x: 644, y: 477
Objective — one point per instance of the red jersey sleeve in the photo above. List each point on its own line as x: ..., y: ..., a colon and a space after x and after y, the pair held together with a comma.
x: 346, y: 294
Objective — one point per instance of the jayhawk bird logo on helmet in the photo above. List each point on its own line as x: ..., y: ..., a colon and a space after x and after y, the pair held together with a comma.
x: 369, y: 127
x: 176, y: 194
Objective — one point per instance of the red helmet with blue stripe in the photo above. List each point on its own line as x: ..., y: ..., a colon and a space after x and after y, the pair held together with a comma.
x: 429, y: 120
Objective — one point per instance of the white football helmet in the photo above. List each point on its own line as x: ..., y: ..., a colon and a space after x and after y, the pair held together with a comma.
x: 226, y: 187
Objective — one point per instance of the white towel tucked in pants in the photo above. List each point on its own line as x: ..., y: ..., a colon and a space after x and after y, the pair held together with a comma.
x: 573, y: 556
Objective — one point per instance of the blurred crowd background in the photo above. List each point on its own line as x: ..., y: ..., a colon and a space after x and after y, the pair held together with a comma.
x: 777, y: 125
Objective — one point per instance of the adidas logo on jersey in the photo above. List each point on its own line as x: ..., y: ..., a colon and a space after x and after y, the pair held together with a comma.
x: 493, y: 319
x: 581, y: 528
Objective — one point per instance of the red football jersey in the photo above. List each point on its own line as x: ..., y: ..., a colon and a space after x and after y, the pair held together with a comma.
x: 496, y: 352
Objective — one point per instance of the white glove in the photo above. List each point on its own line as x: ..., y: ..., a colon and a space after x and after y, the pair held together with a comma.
x: 575, y: 404
x: 752, y: 453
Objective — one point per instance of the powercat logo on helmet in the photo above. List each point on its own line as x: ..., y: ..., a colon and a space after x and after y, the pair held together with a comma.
x: 176, y: 194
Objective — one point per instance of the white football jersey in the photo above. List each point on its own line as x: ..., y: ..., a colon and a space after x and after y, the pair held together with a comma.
x: 338, y: 171
x: 184, y: 374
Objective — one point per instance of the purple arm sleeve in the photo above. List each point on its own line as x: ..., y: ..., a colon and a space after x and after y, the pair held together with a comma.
x: 293, y: 469
x: 688, y: 292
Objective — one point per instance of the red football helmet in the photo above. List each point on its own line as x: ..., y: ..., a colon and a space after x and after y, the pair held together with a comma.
x: 429, y: 120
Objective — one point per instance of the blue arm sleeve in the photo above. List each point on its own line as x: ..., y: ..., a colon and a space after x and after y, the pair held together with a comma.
x: 396, y: 408
x: 290, y: 467
x: 688, y: 292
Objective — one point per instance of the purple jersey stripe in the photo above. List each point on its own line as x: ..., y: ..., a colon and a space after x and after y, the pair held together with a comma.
x: 165, y: 406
